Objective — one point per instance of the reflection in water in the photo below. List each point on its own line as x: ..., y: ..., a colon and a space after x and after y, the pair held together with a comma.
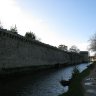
x: 90, y: 83
x: 43, y: 83
x: 92, y: 92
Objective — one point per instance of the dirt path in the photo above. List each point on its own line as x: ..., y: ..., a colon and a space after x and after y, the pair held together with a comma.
x: 89, y: 83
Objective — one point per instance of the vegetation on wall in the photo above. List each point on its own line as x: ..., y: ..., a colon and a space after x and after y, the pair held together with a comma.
x: 74, y: 49
x: 30, y: 35
x: 63, y: 47
x: 1, y: 27
x: 71, y: 49
x: 13, y: 29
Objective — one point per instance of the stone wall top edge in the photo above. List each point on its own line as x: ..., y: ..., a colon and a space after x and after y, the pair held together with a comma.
x: 5, y: 31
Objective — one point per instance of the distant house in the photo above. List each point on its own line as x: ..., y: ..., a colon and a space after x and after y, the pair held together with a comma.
x: 85, y: 56
x: 92, y: 58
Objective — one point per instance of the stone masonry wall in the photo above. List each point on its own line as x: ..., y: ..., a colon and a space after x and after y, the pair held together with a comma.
x: 17, y: 51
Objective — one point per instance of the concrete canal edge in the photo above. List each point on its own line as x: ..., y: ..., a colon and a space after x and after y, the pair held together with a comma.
x: 13, y: 72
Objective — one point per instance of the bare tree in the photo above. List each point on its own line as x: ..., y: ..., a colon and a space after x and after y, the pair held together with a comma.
x: 92, y: 46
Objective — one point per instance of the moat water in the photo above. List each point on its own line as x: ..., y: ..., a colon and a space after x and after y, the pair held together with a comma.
x: 42, y: 83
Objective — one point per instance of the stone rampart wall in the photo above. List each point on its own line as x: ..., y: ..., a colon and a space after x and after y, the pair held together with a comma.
x: 16, y: 51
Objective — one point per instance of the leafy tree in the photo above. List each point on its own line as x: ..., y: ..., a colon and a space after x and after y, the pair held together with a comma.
x: 62, y: 47
x: 30, y: 35
x: 14, y: 29
x: 92, y: 46
x: 74, y: 49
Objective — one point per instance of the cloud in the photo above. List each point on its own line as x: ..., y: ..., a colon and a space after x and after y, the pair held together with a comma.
x: 83, y: 46
x: 11, y: 13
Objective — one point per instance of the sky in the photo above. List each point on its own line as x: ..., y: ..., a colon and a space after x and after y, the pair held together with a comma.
x: 55, y: 22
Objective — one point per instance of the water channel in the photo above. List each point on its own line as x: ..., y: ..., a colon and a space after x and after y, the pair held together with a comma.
x: 43, y: 83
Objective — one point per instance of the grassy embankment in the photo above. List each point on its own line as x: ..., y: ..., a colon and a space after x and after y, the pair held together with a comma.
x: 75, y: 88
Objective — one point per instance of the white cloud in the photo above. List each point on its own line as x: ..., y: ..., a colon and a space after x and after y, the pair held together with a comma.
x: 83, y: 46
x: 11, y: 13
